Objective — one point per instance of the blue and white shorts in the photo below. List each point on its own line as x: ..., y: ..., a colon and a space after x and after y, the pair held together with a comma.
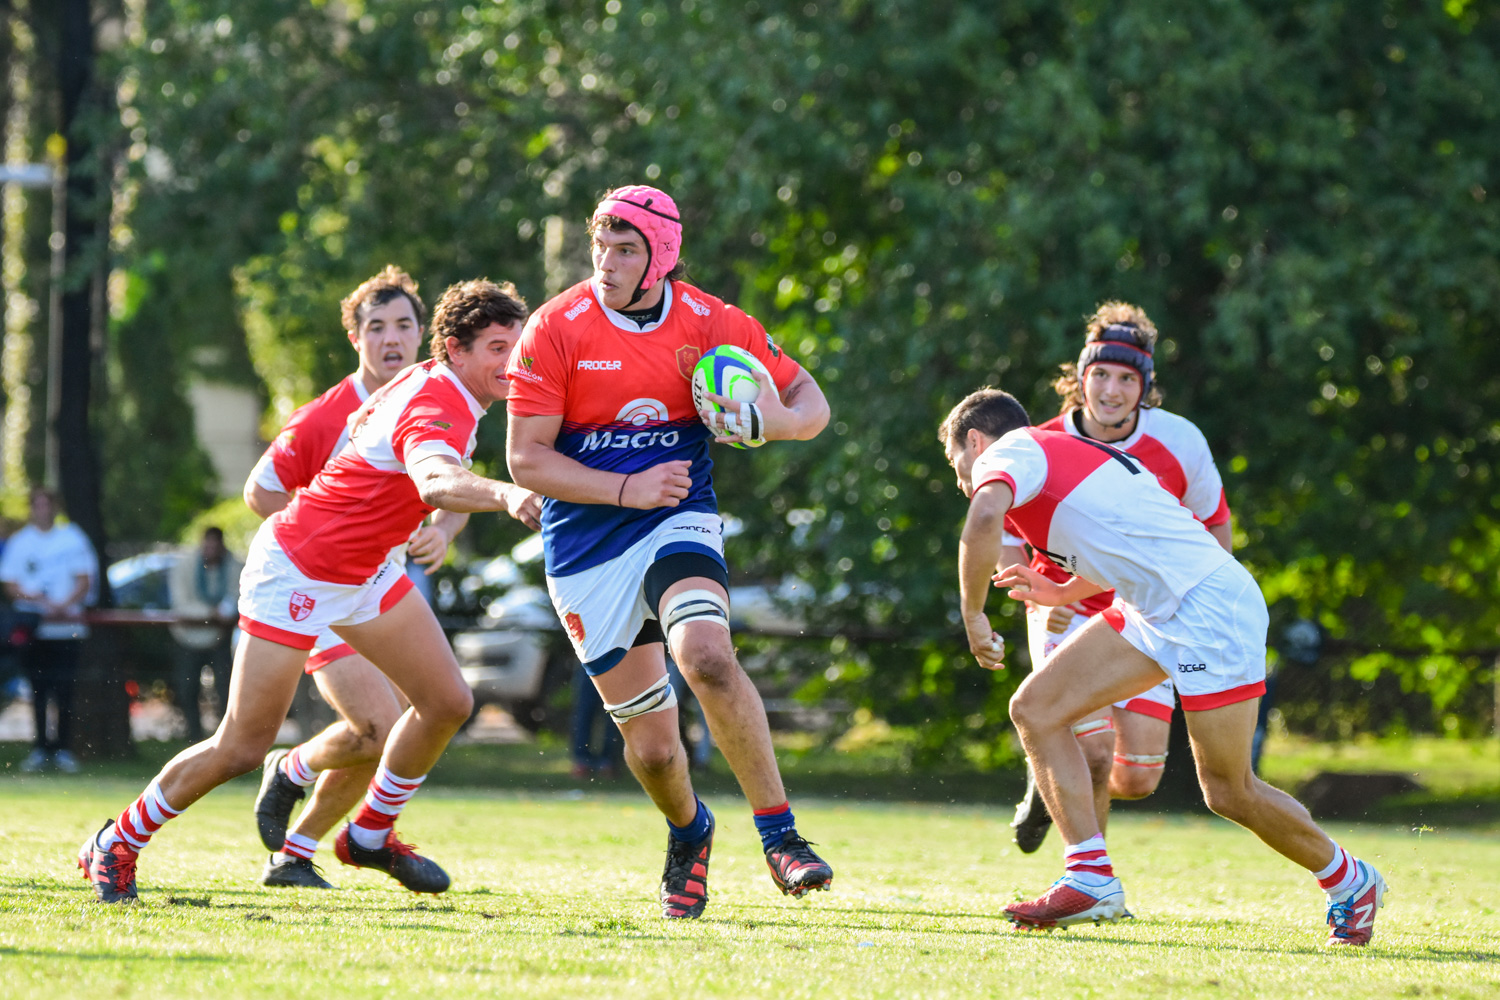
x: 604, y: 607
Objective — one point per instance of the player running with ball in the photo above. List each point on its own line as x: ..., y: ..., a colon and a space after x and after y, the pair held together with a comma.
x: 1111, y: 396
x: 383, y: 318
x: 325, y: 561
x: 602, y: 422
x: 1183, y: 608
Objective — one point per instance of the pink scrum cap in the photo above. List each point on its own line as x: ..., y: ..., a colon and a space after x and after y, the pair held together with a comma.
x: 656, y: 216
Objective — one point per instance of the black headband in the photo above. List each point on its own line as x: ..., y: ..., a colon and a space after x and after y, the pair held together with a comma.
x: 1117, y: 344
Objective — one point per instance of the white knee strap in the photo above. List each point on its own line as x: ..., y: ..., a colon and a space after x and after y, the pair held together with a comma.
x: 694, y: 606
x: 1105, y: 725
x: 1150, y: 761
x: 657, y: 698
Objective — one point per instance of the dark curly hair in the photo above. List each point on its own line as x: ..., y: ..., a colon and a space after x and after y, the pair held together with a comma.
x: 470, y: 306
x: 390, y: 283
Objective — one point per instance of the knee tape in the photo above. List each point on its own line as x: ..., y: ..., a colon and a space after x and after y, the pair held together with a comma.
x: 694, y: 606
x: 1090, y: 728
x: 1149, y: 761
x: 657, y: 698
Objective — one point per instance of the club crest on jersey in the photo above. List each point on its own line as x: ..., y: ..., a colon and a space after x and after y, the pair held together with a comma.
x: 300, y: 606
x: 695, y: 305
x: 575, y: 626
x: 687, y: 359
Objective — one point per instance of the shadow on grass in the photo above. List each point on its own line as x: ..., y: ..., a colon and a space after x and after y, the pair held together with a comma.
x: 132, y: 957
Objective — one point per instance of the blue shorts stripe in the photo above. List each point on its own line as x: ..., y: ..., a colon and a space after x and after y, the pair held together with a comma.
x: 604, y: 664
x: 673, y: 548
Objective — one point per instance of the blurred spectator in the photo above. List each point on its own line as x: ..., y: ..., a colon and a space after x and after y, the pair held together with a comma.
x: 49, y: 568
x: 205, y: 583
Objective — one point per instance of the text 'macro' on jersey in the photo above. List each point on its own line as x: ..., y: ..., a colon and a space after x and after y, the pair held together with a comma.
x: 1098, y: 513
x: 363, y: 504
x: 625, y: 395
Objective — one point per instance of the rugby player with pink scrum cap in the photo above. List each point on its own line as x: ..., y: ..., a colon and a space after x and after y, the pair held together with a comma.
x: 602, y: 421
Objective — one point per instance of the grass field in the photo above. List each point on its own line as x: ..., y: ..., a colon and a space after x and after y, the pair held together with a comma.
x: 554, y: 895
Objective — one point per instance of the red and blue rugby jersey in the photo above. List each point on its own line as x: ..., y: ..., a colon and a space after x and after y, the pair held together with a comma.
x: 625, y: 396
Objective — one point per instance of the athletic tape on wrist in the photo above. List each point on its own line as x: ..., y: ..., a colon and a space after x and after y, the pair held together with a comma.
x: 659, y: 697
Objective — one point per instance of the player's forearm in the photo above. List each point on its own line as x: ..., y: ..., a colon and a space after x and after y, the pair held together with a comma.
x: 1010, y: 555
x: 978, y: 553
x: 451, y: 487
x: 1223, y: 534
x: 263, y: 502
x: 547, y: 471
x: 807, y: 410
x: 1077, y: 589
x: 450, y: 522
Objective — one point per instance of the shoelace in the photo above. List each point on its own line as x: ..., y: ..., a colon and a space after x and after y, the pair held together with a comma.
x: 680, y: 858
x: 1340, y: 916
x: 120, y: 871
x: 395, y: 846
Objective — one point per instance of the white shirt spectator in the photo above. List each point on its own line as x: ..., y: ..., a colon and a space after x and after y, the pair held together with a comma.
x: 49, y: 563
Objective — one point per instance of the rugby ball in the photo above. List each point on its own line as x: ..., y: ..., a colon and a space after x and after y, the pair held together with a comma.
x: 726, y: 371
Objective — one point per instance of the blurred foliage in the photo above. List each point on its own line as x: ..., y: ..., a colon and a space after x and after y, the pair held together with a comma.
x: 917, y: 197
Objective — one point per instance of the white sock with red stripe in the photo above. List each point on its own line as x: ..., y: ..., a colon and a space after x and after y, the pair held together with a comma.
x: 140, y: 822
x: 296, y: 846
x: 294, y: 765
x: 1341, y: 875
x: 1088, y: 862
x: 384, y: 801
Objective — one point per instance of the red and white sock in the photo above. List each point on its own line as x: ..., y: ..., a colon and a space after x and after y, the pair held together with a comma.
x: 294, y: 765
x: 1341, y: 874
x: 1089, y: 861
x: 137, y: 824
x: 296, y: 846
x: 384, y: 801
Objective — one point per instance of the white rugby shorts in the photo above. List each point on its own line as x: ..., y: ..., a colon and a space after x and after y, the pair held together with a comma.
x: 1214, y: 647
x: 603, y: 608
x: 278, y: 602
x: 1157, y: 702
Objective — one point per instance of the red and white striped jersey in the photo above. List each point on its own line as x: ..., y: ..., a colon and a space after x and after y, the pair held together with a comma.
x: 1172, y: 448
x: 1096, y: 512
x: 363, y: 504
x: 311, y: 438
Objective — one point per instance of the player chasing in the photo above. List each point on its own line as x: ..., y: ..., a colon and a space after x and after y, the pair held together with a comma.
x: 1111, y: 395
x: 1183, y: 607
x: 383, y: 320
x: 602, y: 421
x: 325, y: 561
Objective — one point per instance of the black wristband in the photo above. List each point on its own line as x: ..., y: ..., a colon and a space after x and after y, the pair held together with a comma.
x: 620, y: 500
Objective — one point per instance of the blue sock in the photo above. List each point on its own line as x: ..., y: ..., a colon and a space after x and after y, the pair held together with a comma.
x: 698, y: 829
x: 774, y: 823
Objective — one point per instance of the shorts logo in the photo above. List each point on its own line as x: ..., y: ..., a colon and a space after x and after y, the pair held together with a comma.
x: 578, y: 308
x: 687, y: 360
x: 642, y: 411
x: 300, y: 606
x: 575, y: 626
x: 1191, y: 668
x: 598, y: 366
x: 695, y: 305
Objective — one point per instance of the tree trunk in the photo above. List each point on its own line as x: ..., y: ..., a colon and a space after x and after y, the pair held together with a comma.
x: 103, y: 709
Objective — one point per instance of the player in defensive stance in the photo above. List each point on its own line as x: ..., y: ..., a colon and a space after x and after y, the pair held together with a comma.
x: 1111, y: 396
x: 383, y: 318
x: 1182, y: 605
x: 325, y: 562
x: 602, y: 422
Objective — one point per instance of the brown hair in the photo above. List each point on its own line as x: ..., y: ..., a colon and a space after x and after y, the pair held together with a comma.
x: 470, y: 306
x: 377, y: 291
x: 615, y: 224
x: 992, y: 412
x: 1068, y: 384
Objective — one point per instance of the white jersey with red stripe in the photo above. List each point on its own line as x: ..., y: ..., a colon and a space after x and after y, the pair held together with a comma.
x: 316, y: 432
x: 1098, y: 513
x: 363, y: 504
x: 1174, y: 450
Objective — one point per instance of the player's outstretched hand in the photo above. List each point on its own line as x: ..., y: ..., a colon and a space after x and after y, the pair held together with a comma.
x: 986, y: 645
x: 664, y: 485
x: 525, y: 506
x: 1026, y: 584
x: 732, y: 425
x: 428, y: 547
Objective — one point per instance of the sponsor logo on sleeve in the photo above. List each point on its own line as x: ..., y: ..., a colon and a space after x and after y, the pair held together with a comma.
x: 598, y: 366
x: 522, y: 369
x: 771, y: 346
x: 695, y: 305
x: 284, y: 442
x: 300, y: 606
x: 441, y: 425
x: 578, y: 308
